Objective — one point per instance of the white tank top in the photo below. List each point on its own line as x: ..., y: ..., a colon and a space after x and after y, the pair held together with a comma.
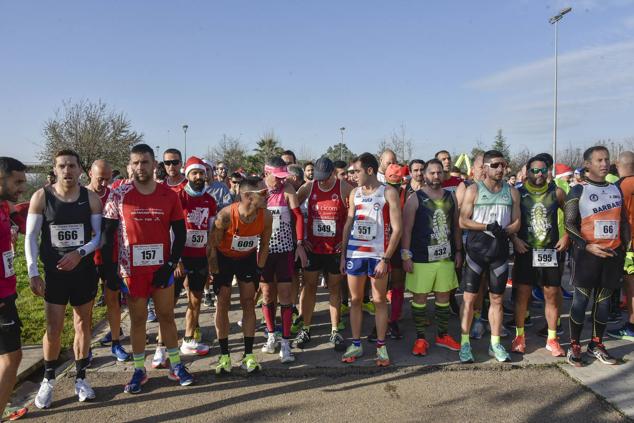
x: 370, y: 232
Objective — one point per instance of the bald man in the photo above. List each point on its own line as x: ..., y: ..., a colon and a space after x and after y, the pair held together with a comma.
x: 625, y: 167
x: 100, y: 175
x: 388, y: 157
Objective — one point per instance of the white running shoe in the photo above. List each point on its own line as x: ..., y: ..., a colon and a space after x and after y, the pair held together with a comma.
x: 194, y: 347
x: 44, y: 396
x: 270, y: 345
x: 83, y: 390
x: 286, y: 355
x: 159, y: 361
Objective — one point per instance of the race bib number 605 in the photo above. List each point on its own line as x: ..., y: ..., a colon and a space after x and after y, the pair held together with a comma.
x: 147, y: 255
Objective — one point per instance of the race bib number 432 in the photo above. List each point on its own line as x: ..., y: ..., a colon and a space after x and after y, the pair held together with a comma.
x: 439, y: 252
x: 606, y: 229
x: 64, y: 236
x: 147, y: 255
x: 324, y: 228
x: 545, y: 258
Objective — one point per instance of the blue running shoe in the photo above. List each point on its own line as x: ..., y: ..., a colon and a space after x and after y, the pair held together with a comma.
x: 498, y: 352
x: 180, y: 374
x: 151, y: 315
x: 538, y: 295
x: 119, y: 353
x: 567, y: 295
x: 477, y: 329
x: 625, y: 332
x: 107, y: 338
x: 138, y: 379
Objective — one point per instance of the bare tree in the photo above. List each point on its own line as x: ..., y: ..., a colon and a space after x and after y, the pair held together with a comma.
x: 93, y: 131
x: 400, y: 142
x: 230, y: 151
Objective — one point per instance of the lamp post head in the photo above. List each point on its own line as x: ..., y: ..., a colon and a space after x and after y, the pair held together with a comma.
x: 560, y: 15
x: 185, y: 127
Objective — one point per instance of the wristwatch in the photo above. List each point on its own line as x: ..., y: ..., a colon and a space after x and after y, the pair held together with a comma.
x: 385, y: 259
x: 171, y: 265
x: 82, y: 252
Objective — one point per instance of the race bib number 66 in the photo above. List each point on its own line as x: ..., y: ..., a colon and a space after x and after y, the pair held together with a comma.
x: 606, y: 229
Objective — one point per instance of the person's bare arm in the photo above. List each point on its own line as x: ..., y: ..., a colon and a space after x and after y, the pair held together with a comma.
x: 304, y: 192
x: 221, y: 224
x: 346, y: 231
x: 265, y: 238
x: 457, y: 234
x: 293, y: 204
x: 461, y: 189
x: 516, y: 221
x: 409, y: 216
x: 396, y: 220
x: 466, y: 211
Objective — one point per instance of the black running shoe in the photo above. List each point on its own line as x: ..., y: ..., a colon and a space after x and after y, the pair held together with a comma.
x: 394, y: 331
x: 599, y: 352
x: 302, y: 339
x: 573, y: 356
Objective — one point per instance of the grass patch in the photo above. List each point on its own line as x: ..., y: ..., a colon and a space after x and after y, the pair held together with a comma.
x: 31, y: 308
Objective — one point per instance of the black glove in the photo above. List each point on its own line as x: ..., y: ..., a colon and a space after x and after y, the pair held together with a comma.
x: 162, y: 276
x: 496, y: 230
x: 259, y: 271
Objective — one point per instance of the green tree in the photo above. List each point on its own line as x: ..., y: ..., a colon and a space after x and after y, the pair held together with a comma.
x: 92, y: 130
x: 500, y: 144
x: 339, y: 151
x: 230, y: 151
x: 267, y: 146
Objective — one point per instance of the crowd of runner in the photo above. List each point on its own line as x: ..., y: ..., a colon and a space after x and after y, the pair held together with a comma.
x: 198, y: 228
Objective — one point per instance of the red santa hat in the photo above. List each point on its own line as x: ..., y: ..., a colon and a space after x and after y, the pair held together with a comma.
x: 194, y: 163
x: 562, y: 170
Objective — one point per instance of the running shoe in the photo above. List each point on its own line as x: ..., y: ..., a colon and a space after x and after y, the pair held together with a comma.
x: 198, y: 336
x: 151, y: 315
x: 14, y: 413
x: 528, y: 322
x: 119, y: 353
x: 447, y: 342
x: 44, y: 396
x: 519, y: 344
x: 372, y: 336
x: 297, y: 325
x: 286, y: 354
x: 337, y: 341
x: 341, y: 325
x: 139, y: 377
x: 250, y: 363
x: 224, y: 364
x: 555, y: 349
x: 465, y: 354
x: 352, y: 353
x: 420, y: 347
x: 107, y: 338
x: 344, y: 309
x: 180, y: 374
x: 369, y: 308
x: 538, y: 295
x: 614, y: 317
x: 573, y: 356
x: 598, y: 351
x: 625, y: 332
x: 302, y: 339
x: 382, y: 359
x: 394, y: 331
x: 498, y: 352
x: 477, y: 329
x: 159, y: 361
x: 567, y: 295
x: 270, y: 345
x: 543, y: 332
x: 83, y: 390
x: 208, y: 300
x: 194, y: 347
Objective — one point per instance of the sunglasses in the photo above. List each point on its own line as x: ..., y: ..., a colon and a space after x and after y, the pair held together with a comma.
x: 235, y: 182
x: 536, y: 170
x: 171, y: 162
x: 261, y: 192
x: 496, y: 165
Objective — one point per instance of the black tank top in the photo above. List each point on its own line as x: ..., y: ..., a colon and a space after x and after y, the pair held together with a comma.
x: 66, y: 227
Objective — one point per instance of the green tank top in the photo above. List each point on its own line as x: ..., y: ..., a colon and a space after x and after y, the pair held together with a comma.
x: 492, y: 207
x: 539, y: 216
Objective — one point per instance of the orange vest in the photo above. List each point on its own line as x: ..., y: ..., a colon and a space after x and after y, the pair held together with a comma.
x: 241, y: 239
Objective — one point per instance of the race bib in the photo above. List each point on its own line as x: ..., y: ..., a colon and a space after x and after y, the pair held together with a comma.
x: 545, y: 258
x: 244, y: 243
x: 606, y: 229
x: 276, y: 222
x: 364, y: 230
x: 147, y: 255
x: 324, y: 228
x: 439, y: 252
x: 64, y: 236
x: 7, y: 260
x: 196, y: 238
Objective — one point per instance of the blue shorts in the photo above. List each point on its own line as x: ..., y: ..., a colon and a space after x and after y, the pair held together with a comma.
x: 361, y: 266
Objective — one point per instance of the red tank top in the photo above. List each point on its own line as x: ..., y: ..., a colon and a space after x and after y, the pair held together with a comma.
x: 7, y: 271
x: 326, y: 218
x: 199, y: 213
x: 241, y: 239
x: 115, y: 251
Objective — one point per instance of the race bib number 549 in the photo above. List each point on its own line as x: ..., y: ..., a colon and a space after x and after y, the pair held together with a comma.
x: 324, y: 228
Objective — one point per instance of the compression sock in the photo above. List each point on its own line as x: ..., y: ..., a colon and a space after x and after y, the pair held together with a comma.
x: 419, y: 314
x: 80, y: 367
x: 139, y: 360
x: 174, y: 356
x: 495, y: 340
x: 49, y: 369
x: 286, y: 310
x: 464, y: 339
x: 519, y: 331
x: 600, y: 312
x: 224, y: 346
x: 356, y: 342
x: 380, y: 343
x: 552, y: 334
x: 580, y: 299
x: 398, y: 295
x: 442, y: 318
x: 248, y: 345
x: 269, y: 316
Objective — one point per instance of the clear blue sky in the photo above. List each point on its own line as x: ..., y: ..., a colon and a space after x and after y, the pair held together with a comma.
x: 452, y: 72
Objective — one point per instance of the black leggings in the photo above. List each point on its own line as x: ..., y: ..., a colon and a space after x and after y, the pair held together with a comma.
x: 600, y: 312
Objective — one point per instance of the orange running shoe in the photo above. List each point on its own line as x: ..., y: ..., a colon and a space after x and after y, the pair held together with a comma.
x: 555, y: 349
x: 519, y: 345
x: 446, y: 341
x: 420, y: 347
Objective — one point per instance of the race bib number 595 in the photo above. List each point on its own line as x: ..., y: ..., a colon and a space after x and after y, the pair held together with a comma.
x: 545, y: 258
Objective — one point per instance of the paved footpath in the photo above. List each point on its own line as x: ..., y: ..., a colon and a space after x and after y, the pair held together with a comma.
x: 319, y: 387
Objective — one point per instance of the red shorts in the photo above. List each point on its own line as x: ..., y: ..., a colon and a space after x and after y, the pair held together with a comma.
x: 141, y: 285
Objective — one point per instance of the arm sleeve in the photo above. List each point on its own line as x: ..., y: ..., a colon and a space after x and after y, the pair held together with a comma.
x: 299, y: 223
x: 572, y: 218
x: 109, y: 230
x: 31, y: 249
x: 180, y: 235
x: 93, y: 244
